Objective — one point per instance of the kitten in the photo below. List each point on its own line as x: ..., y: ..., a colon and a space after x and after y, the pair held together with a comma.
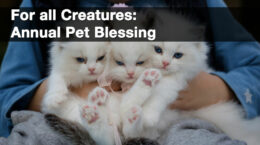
x: 228, y: 116
x: 72, y: 64
x: 101, y: 115
x: 172, y: 61
x: 179, y: 62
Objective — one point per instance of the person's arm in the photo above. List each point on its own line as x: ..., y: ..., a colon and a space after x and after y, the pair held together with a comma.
x: 35, y: 103
x: 240, y: 60
x: 20, y: 75
x: 242, y: 64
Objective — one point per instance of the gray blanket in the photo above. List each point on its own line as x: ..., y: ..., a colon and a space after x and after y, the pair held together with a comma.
x: 30, y: 128
x: 196, y: 132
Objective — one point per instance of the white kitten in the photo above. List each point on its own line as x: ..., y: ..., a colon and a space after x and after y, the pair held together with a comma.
x: 72, y: 63
x: 228, y: 116
x: 102, y: 116
x: 173, y: 61
x: 131, y: 59
x: 179, y: 62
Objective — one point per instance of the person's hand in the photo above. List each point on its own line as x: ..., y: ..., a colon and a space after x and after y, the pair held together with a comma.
x: 204, y: 90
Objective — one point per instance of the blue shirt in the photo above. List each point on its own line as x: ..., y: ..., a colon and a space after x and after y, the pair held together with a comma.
x: 22, y: 67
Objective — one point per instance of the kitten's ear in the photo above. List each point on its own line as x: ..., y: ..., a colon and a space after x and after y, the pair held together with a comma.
x: 202, y: 47
x: 56, y: 48
x: 57, y: 45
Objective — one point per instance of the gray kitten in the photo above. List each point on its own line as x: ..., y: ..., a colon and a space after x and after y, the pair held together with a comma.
x: 75, y: 133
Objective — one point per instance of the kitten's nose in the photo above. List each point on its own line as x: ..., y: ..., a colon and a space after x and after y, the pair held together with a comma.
x: 131, y: 74
x: 165, y: 63
x: 92, y: 69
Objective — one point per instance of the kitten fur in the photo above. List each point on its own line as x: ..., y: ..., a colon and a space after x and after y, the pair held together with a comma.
x: 129, y: 53
x: 104, y: 129
x: 73, y: 132
x: 66, y: 71
x: 156, y: 118
x: 78, y: 136
x: 228, y: 116
x: 175, y: 77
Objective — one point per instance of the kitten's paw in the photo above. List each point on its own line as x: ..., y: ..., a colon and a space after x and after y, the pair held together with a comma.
x: 98, y: 96
x: 132, y: 122
x: 133, y: 115
x: 150, y: 119
x: 151, y: 77
x: 53, y: 101
x: 89, y: 113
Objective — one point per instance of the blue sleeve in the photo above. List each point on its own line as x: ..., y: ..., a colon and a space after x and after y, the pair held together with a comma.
x: 240, y: 60
x: 20, y: 75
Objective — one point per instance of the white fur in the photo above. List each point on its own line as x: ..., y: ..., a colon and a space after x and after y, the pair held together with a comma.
x: 67, y: 72
x: 228, y: 116
x: 156, y: 118
x: 129, y: 53
x: 175, y: 77
x: 142, y: 110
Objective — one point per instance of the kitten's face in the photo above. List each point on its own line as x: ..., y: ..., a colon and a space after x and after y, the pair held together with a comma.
x: 129, y: 60
x: 174, y: 57
x: 85, y: 60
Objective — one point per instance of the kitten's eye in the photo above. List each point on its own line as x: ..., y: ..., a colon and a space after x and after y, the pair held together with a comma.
x: 158, y: 49
x: 101, y: 58
x: 80, y: 59
x: 178, y: 55
x: 140, y: 63
x: 119, y: 62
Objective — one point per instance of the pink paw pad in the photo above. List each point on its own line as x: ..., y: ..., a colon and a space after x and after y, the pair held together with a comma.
x: 134, y: 118
x: 99, y: 96
x: 134, y: 114
x: 89, y: 113
x: 151, y: 77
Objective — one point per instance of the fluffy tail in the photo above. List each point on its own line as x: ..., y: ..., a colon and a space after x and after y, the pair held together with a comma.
x: 229, y: 118
x: 72, y: 131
